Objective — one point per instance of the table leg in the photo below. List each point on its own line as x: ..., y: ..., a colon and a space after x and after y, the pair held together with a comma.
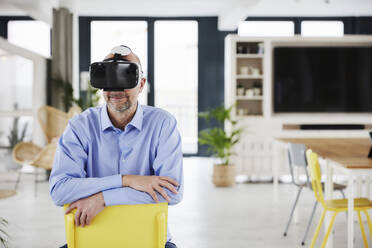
x: 350, y: 221
x: 328, y: 195
x: 276, y: 163
x: 368, y: 187
x: 358, y: 186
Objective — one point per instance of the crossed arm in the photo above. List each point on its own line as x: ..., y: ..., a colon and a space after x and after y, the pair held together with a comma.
x: 70, y: 184
x: 89, y: 207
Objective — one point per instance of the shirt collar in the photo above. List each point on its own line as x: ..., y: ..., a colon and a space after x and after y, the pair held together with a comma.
x: 136, y: 121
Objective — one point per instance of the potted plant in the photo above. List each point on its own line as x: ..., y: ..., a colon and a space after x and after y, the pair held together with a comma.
x: 88, y: 98
x: 221, y: 143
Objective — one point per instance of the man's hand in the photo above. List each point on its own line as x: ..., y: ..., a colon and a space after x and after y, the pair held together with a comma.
x: 87, y: 208
x: 150, y: 184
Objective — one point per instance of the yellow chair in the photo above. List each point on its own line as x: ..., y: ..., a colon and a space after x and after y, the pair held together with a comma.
x: 335, y: 206
x: 124, y: 226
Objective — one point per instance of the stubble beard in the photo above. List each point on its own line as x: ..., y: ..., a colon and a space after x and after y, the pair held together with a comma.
x: 127, y: 105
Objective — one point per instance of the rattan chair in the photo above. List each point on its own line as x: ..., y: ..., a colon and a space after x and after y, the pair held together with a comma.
x: 34, y: 155
x: 53, y: 123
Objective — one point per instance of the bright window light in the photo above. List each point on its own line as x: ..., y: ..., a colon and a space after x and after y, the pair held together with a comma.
x: 266, y: 28
x: 32, y: 35
x: 322, y: 28
x: 176, y: 76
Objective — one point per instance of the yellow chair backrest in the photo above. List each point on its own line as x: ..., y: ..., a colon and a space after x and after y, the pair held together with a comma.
x: 316, y: 176
x: 122, y: 226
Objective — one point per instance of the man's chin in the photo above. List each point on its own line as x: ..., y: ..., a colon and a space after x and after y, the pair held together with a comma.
x: 119, y: 108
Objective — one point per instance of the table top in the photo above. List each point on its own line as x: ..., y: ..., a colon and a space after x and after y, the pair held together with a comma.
x: 351, y: 153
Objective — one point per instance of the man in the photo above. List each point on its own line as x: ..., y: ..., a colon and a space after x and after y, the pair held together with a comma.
x: 121, y: 153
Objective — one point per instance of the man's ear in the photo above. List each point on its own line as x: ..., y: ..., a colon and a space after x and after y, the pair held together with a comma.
x: 142, y: 83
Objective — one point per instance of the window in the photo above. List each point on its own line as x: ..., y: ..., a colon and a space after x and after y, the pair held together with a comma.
x: 266, y: 28
x: 32, y: 35
x: 108, y: 34
x: 15, y: 95
x: 176, y: 76
x: 322, y: 28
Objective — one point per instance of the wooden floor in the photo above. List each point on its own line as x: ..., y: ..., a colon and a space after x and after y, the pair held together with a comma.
x: 238, y: 217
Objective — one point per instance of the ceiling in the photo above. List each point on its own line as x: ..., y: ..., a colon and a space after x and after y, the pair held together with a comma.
x: 229, y: 12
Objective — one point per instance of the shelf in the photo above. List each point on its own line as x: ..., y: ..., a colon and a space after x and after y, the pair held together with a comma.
x: 249, y: 117
x: 242, y: 76
x: 250, y: 56
x: 249, y: 98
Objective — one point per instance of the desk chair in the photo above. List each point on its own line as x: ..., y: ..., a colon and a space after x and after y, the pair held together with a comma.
x: 297, y: 158
x: 132, y: 226
x: 335, y: 206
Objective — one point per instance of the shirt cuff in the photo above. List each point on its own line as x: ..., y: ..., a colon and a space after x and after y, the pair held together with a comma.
x: 111, y: 182
x: 111, y: 197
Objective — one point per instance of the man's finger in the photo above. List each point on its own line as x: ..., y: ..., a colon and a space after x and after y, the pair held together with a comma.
x: 70, y: 208
x: 153, y: 195
x: 162, y: 192
x: 168, y: 186
x: 77, y: 217
x: 172, y: 181
x: 89, y: 219
x: 83, y: 218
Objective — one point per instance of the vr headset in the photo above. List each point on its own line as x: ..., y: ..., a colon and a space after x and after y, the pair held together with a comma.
x: 115, y: 74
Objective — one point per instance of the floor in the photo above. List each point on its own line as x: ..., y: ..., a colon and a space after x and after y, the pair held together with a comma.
x: 242, y: 216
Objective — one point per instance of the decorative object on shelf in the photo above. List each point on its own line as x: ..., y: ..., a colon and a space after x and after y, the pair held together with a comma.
x: 220, y: 143
x: 240, y: 49
x: 241, y: 111
x: 254, y: 71
x: 240, y: 90
x: 249, y: 92
x: 257, y: 90
x: 244, y: 70
x: 260, y: 48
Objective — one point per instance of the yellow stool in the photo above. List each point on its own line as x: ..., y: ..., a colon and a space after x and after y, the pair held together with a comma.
x: 335, y: 206
x: 122, y: 226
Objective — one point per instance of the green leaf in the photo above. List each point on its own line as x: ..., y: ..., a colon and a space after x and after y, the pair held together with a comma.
x: 219, y: 143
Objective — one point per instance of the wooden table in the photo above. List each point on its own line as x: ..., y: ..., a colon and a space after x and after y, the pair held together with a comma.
x: 346, y: 155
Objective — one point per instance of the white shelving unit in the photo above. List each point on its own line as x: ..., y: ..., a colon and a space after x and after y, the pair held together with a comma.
x: 255, y: 112
x: 246, y: 74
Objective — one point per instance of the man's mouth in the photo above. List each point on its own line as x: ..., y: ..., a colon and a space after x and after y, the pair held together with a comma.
x: 117, y: 96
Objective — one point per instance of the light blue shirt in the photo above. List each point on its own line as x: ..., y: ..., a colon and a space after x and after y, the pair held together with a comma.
x: 92, y: 155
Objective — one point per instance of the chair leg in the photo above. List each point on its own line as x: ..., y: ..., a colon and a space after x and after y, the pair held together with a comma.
x: 35, y: 190
x: 369, y: 222
x: 329, y: 230
x: 18, y: 180
x: 318, y: 229
x: 362, y: 230
x: 292, y: 211
x: 343, y: 195
x: 309, y: 224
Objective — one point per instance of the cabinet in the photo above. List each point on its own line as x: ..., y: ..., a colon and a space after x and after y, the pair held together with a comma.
x: 245, y: 76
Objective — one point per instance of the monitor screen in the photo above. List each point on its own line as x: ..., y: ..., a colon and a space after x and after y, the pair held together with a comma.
x: 322, y: 79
